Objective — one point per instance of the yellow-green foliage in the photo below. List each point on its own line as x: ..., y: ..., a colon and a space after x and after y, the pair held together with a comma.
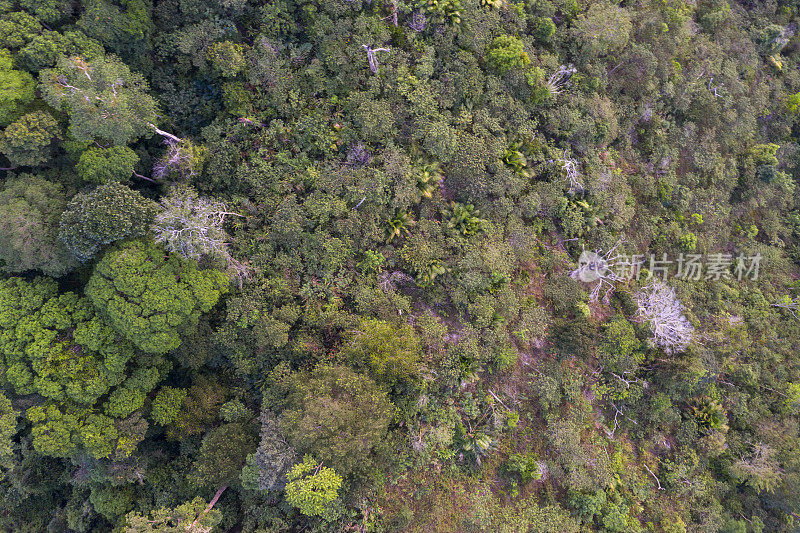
x: 390, y: 354
x: 507, y: 52
x: 56, y: 345
x: 313, y: 488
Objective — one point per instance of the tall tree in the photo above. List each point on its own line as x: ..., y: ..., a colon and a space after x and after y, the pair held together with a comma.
x: 30, y: 208
x: 56, y: 345
x: 339, y: 416
x: 99, y: 217
x: 151, y: 297
x: 104, y: 99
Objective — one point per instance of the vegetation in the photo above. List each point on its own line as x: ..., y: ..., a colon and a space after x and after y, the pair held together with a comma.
x: 399, y: 265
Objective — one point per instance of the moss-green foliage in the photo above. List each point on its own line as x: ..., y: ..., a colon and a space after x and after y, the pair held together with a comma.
x: 101, y: 216
x: 104, y: 165
x: 119, y: 30
x: 350, y: 413
x: 30, y: 208
x: 603, y: 28
x: 151, y: 297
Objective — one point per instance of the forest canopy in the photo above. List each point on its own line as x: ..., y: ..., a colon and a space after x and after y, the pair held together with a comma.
x: 399, y: 265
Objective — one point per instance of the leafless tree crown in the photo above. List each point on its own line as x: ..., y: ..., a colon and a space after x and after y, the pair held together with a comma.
x: 602, y: 269
x: 570, y: 167
x: 659, y: 307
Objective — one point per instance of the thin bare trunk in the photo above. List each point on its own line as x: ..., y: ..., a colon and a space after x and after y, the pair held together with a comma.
x: 210, y: 506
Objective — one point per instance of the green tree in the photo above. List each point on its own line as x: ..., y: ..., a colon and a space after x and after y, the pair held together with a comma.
x: 49, y: 11
x: 132, y: 393
x: 8, y: 428
x: 604, y: 28
x: 760, y: 469
x: 124, y: 31
x: 200, y: 409
x: 45, y: 49
x: 223, y: 453
x: 64, y: 431
x: 151, y: 297
x: 17, y: 89
x: 313, y: 488
x: 266, y: 468
x: 191, y: 517
x: 103, y: 215
x: 227, y: 58
x: 390, y: 354
x: 619, y: 348
x: 506, y: 53
x: 167, y: 405
x: 338, y: 415
x: 543, y: 29
x: 30, y: 208
x: 56, y: 345
x: 17, y: 28
x: 103, y: 98
x: 104, y: 165
x: 29, y: 140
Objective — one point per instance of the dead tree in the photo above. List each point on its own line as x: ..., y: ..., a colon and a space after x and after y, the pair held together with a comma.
x: 167, y: 136
x: 373, y: 61
x: 392, y: 12
x: 196, y: 526
x: 570, y: 167
x: 659, y: 307
x: 602, y: 269
x: 191, y: 226
x: 559, y: 79
x: 790, y: 304
x: 418, y: 21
